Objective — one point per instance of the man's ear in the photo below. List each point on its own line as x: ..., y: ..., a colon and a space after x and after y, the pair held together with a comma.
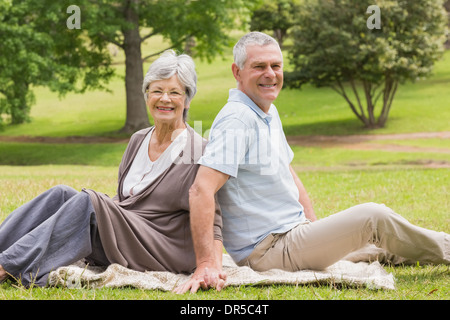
x: 236, y: 71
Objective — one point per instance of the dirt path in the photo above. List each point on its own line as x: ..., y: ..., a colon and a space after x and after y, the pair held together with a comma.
x: 315, y: 140
x: 355, y: 142
x: 72, y: 139
x: 362, y: 142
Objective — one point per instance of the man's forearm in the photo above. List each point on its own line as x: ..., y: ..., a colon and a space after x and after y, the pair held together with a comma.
x: 208, y: 251
x: 202, y: 210
x: 218, y: 245
x: 303, y: 197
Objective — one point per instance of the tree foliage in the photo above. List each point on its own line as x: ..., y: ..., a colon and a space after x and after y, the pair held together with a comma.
x: 274, y: 15
x: 334, y: 47
x: 37, y: 48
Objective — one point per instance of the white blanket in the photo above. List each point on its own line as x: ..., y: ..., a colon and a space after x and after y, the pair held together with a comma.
x: 359, y: 274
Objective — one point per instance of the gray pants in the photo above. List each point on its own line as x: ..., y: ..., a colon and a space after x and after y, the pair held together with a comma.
x: 54, y: 229
x: 365, y: 232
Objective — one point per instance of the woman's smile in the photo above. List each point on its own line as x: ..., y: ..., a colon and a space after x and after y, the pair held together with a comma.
x: 165, y: 109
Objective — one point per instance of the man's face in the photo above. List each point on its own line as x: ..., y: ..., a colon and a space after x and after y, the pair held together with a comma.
x: 261, y: 79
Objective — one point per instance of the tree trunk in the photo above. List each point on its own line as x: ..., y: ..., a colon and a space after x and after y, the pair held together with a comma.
x: 279, y: 36
x: 388, y: 95
x: 370, y: 121
x: 19, y: 98
x: 137, y: 116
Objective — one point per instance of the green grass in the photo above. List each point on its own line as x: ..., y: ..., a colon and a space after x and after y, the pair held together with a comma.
x: 20, y: 184
x: 419, y: 195
x: 309, y: 158
x: 314, y: 157
x: 413, y: 283
x: 443, y: 144
x: 97, y: 154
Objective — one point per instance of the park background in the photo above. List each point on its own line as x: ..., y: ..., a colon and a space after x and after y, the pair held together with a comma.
x: 75, y: 140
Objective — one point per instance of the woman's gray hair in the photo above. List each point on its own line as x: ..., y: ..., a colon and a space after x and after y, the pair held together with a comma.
x: 168, y: 65
x: 251, y: 38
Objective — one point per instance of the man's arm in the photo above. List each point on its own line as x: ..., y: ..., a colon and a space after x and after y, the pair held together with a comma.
x: 303, y: 197
x: 208, y: 252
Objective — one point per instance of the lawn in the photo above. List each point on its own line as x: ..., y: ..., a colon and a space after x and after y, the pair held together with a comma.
x: 420, y: 195
x: 414, y: 182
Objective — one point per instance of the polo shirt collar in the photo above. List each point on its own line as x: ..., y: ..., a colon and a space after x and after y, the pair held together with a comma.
x: 238, y: 96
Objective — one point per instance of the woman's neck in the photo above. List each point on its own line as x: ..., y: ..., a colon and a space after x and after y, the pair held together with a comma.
x: 165, y: 133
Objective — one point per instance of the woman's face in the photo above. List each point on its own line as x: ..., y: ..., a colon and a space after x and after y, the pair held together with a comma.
x: 166, y: 101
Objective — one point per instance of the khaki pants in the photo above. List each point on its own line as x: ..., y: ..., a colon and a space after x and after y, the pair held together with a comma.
x: 366, y: 232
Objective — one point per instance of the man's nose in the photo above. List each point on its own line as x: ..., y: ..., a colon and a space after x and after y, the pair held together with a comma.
x: 269, y: 72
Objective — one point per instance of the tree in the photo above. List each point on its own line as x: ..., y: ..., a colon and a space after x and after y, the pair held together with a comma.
x: 37, y: 51
x: 77, y: 59
x: 274, y: 15
x: 336, y: 46
x: 447, y: 8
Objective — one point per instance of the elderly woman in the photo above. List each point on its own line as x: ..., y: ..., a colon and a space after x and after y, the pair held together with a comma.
x: 146, y: 225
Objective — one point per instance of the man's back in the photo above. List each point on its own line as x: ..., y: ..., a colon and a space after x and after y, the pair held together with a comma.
x: 260, y: 197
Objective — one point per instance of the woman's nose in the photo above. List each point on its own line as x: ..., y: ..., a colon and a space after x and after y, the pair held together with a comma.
x: 165, y: 97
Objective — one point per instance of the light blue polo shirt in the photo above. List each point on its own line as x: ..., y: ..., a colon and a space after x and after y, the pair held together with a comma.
x: 261, y: 196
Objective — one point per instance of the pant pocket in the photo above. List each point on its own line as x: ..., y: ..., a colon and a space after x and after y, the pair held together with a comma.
x: 258, y: 253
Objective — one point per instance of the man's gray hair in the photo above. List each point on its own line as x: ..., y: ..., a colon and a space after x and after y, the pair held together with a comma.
x: 251, y: 38
x: 168, y: 65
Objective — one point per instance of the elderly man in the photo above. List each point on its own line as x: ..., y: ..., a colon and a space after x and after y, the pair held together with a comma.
x: 268, y: 219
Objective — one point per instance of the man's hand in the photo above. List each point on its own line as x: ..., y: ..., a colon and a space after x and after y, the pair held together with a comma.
x: 204, y: 277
